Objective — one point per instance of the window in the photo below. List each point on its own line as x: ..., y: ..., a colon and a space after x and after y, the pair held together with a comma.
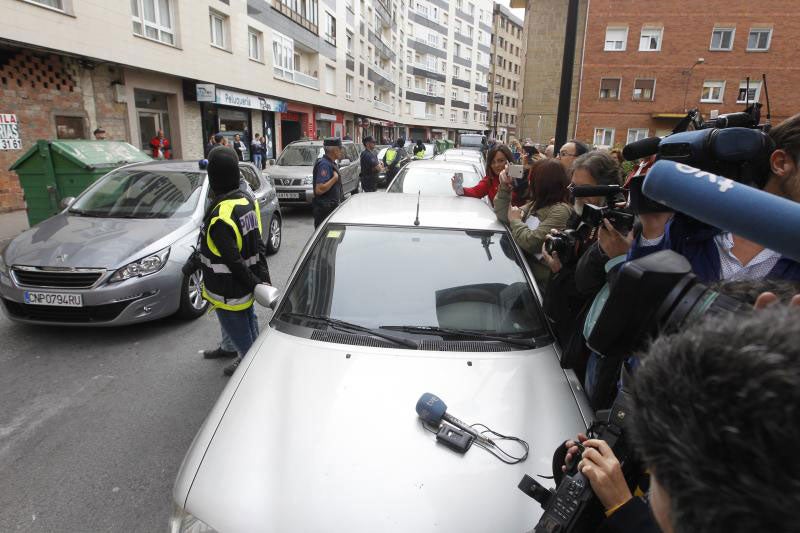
x: 637, y: 134
x: 759, y: 39
x: 616, y: 38
x: 330, y: 28
x: 70, y: 127
x: 722, y: 38
x: 350, y: 43
x: 361, y: 89
x: 453, y: 115
x: 455, y: 94
x: 753, y: 93
x: 713, y: 91
x: 465, y: 116
x: 282, y: 56
x: 255, y: 46
x: 604, y: 137
x: 217, y: 23
x: 330, y: 79
x: 348, y: 87
x: 609, y: 88
x: 55, y: 4
x: 456, y: 71
x: 152, y: 19
x: 644, y: 90
x: 650, y: 40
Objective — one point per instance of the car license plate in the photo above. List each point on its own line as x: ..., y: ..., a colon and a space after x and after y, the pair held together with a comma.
x: 58, y: 299
x: 291, y: 195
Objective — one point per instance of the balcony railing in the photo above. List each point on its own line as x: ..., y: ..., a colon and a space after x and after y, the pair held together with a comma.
x: 295, y: 16
x: 382, y: 73
x: 383, y: 106
x: 381, y: 47
x: 426, y: 67
x: 306, y: 81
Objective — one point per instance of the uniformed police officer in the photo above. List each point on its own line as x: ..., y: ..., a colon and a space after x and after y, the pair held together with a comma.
x: 370, y: 166
x: 230, y: 246
x: 392, y: 159
x: 327, y: 181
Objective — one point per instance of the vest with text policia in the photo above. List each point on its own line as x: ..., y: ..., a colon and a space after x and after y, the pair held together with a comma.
x: 220, y: 287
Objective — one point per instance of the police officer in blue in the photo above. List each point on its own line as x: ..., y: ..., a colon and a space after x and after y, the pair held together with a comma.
x: 327, y: 181
x: 370, y: 166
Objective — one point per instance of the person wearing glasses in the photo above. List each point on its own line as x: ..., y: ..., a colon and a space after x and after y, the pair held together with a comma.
x: 571, y: 151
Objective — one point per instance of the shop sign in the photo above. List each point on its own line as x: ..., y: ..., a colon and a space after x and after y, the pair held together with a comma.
x: 249, y: 101
x: 326, y: 117
x: 9, y: 133
x: 206, y: 92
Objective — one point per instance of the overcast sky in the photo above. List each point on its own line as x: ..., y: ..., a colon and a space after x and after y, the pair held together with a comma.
x: 518, y: 12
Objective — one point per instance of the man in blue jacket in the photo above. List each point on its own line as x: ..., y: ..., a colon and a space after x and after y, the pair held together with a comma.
x: 717, y: 255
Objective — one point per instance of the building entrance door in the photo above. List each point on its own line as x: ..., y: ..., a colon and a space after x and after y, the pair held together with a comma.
x: 149, y: 124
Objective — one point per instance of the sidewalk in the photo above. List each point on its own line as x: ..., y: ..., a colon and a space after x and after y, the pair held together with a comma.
x: 11, y: 225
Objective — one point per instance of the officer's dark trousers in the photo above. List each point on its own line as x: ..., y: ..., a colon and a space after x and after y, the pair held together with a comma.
x: 321, y: 210
x: 369, y: 184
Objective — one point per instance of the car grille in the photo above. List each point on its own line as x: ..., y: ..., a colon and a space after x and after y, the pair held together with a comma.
x: 56, y: 278
x: 77, y: 315
x: 288, y: 182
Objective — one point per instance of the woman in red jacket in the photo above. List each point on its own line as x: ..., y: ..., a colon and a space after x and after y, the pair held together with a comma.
x: 499, y: 157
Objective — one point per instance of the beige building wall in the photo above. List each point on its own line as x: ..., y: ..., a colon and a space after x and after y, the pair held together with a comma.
x: 545, y: 25
x: 507, y: 69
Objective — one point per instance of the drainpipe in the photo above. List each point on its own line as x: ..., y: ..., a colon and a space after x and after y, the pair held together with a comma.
x: 580, y: 78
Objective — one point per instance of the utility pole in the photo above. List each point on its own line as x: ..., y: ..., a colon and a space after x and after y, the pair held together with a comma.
x: 567, y: 67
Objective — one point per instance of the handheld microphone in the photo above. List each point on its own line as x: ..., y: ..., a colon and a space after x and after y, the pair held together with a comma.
x: 756, y: 215
x: 642, y: 148
x: 433, y: 410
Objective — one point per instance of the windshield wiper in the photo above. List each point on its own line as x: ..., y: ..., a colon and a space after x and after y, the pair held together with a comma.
x: 341, y: 324
x: 82, y: 213
x: 435, y: 330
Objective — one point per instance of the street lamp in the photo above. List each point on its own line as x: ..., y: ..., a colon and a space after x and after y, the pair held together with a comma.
x: 688, y: 74
x: 497, y: 99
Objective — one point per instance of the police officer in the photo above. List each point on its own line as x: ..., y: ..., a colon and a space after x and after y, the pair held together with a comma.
x: 419, y: 150
x: 327, y: 181
x: 370, y: 166
x: 392, y: 158
x: 230, y: 252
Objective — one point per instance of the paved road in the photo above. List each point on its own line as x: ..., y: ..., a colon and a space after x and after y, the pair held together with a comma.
x: 94, y: 423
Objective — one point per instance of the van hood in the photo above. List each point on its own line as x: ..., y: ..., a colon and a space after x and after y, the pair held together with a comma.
x: 320, y: 437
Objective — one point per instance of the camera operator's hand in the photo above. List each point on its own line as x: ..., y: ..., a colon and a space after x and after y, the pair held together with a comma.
x: 514, y: 213
x: 572, y: 451
x: 602, y: 469
x: 612, y: 242
x: 766, y: 299
x: 552, y: 261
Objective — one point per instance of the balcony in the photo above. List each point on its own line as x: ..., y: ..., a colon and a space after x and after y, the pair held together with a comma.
x: 426, y: 67
x: 381, y: 47
x: 299, y: 18
x: 382, y: 73
x: 383, y: 106
x: 306, y: 81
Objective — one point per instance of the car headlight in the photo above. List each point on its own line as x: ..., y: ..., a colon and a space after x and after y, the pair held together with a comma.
x: 143, y: 267
x: 3, y: 266
x: 308, y: 180
x: 183, y: 522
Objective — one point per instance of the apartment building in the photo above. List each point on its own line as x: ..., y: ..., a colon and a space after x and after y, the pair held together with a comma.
x: 643, y: 69
x: 505, y: 78
x: 287, y: 69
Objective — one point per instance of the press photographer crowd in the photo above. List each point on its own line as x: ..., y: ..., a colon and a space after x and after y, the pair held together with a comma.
x: 673, y: 292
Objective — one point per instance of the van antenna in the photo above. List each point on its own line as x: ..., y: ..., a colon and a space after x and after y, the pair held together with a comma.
x: 766, y: 94
x: 416, y: 221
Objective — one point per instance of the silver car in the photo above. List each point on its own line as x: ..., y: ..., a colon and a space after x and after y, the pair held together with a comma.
x: 291, y: 172
x: 433, y: 177
x: 456, y: 154
x: 317, y: 429
x: 114, y: 256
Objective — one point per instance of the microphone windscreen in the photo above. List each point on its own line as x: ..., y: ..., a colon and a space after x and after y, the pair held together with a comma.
x: 431, y: 408
x: 758, y: 216
x: 639, y: 149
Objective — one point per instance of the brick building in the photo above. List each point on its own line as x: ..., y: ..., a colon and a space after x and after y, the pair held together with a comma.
x: 505, y: 79
x: 638, y: 70
x: 643, y: 69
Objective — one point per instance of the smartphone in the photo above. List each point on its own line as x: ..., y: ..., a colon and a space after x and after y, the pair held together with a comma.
x: 515, y: 171
x: 459, y: 183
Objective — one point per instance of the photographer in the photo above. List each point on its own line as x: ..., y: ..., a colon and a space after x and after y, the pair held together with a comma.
x: 546, y: 210
x: 715, y: 420
x: 717, y: 255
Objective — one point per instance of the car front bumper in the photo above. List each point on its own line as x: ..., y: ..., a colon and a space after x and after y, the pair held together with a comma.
x: 300, y: 195
x: 107, y: 304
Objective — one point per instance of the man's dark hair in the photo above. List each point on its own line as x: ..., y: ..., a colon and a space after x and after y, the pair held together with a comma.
x: 549, y: 183
x: 748, y: 290
x: 505, y: 150
x: 218, y: 138
x: 604, y: 169
x: 715, y: 418
x: 787, y: 136
x: 580, y: 147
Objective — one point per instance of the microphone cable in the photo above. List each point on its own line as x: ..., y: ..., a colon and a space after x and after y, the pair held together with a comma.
x: 498, y: 451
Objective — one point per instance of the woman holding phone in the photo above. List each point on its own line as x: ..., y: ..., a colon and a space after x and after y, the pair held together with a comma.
x: 547, y: 210
x: 499, y: 158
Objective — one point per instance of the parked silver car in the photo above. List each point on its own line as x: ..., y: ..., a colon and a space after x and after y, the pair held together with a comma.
x: 457, y: 154
x: 433, y: 177
x: 291, y: 172
x: 114, y: 256
x: 317, y: 430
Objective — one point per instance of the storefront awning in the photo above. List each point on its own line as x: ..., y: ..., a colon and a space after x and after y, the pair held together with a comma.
x: 237, y: 99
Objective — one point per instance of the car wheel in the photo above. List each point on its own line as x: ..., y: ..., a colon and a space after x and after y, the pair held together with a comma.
x: 274, y: 235
x: 192, y: 302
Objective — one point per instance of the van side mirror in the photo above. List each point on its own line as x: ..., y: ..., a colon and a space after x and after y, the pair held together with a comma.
x: 266, y: 295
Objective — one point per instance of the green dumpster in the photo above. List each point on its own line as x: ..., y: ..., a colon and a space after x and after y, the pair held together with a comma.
x: 54, y: 170
x: 443, y: 145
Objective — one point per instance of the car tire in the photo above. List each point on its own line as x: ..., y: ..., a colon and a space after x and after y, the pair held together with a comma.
x: 274, y: 234
x: 192, y: 302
